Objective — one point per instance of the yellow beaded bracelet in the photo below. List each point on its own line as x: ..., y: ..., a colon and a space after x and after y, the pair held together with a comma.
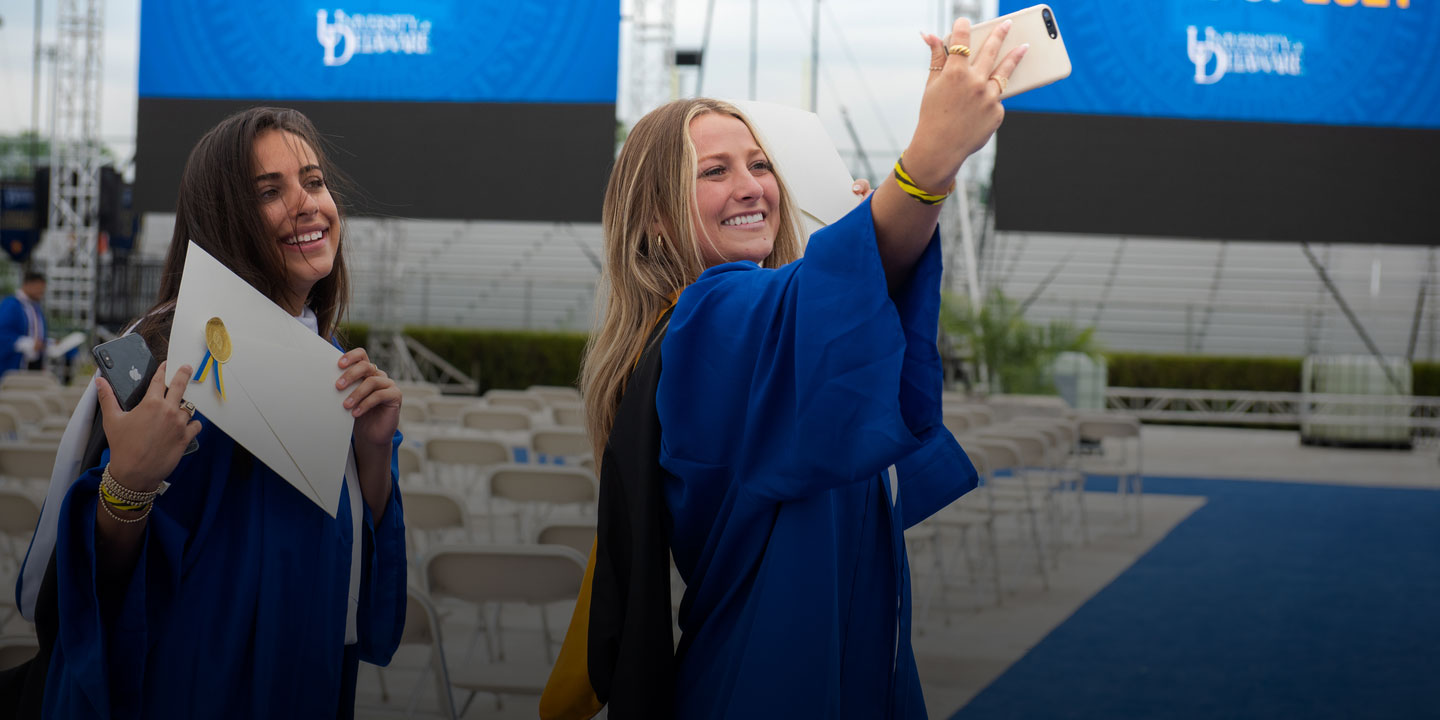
x: 110, y: 499
x: 106, y: 507
x: 903, y: 179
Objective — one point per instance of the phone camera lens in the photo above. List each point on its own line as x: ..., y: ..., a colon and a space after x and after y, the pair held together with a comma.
x: 1049, y: 23
x: 105, y: 358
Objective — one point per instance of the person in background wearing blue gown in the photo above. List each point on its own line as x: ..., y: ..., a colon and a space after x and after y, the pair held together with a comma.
x: 798, y: 412
x: 231, y: 595
x: 22, y: 326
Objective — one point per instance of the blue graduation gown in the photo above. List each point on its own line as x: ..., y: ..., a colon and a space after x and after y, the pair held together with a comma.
x: 14, y: 324
x: 236, y: 607
x: 784, y: 396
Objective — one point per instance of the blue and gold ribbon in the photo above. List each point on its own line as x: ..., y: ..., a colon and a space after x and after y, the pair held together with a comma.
x: 217, y: 351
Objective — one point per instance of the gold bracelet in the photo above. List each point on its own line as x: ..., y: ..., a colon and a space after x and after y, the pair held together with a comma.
x: 121, y: 492
x: 907, y: 184
x: 117, y: 518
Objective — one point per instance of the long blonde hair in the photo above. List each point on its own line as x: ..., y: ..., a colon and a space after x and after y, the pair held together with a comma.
x: 651, y: 252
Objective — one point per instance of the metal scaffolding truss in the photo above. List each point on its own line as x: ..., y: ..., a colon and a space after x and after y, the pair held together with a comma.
x: 1420, y: 414
x: 75, y: 157
x: 651, y: 59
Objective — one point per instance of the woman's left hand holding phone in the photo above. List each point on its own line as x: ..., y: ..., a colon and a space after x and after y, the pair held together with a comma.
x: 146, y: 443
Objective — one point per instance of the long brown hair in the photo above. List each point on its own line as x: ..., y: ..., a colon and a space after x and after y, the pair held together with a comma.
x: 218, y: 209
x: 651, y: 252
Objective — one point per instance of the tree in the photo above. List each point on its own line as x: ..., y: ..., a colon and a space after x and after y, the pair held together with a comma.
x: 1017, y: 356
x: 15, y: 154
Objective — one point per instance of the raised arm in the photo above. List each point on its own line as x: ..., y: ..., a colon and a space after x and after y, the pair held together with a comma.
x: 146, y: 444
x: 959, y: 112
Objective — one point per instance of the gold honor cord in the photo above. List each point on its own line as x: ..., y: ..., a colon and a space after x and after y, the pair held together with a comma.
x: 217, y: 351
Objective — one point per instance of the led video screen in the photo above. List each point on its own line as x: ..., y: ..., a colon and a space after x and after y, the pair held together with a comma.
x: 439, y: 108
x: 1234, y: 119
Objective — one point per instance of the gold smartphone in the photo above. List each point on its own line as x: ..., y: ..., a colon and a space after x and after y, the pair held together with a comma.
x: 1044, y: 63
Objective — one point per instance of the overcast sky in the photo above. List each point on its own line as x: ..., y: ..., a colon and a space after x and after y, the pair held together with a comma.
x: 872, y: 61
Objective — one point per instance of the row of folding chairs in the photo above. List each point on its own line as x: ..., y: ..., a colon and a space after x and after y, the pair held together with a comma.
x: 537, y: 406
x: 1033, y: 467
x: 478, y: 447
x: 475, y: 414
x: 36, y: 413
x: 523, y: 496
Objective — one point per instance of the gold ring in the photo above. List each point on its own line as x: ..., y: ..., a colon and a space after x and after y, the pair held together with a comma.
x: 999, y: 82
x: 961, y: 50
x: 188, y: 407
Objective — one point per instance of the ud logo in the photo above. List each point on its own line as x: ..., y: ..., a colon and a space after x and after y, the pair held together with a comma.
x: 1243, y: 53
x: 334, y: 34
x: 1201, y: 52
x: 351, y: 34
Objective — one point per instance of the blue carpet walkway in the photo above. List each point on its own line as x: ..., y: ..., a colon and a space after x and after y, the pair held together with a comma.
x: 1274, y: 600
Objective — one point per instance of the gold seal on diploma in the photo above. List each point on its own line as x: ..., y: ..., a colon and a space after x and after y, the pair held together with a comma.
x: 217, y: 351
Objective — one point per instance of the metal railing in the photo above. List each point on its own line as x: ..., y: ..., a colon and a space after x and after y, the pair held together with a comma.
x: 1421, y: 415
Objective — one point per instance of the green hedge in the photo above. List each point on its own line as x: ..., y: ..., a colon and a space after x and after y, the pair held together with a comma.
x: 1427, y: 378
x: 1189, y: 372
x: 1266, y: 374
x: 512, y: 359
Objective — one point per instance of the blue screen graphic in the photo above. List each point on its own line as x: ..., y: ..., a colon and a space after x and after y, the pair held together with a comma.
x: 1333, y: 62
x: 531, y: 51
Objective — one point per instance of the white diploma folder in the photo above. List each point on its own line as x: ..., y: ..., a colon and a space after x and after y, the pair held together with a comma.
x: 280, y: 400
x: 64, y: 345
x: 807, y: 160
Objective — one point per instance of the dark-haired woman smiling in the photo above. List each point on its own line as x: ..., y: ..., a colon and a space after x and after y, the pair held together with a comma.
x: 232, y: 594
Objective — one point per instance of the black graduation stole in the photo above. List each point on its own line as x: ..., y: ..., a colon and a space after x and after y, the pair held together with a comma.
x: 619, y: 649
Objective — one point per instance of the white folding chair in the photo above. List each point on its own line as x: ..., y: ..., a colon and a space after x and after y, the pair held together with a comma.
x: 422, y: 627
x: 958, y: 517
x: 19, y: 514
x: 535, y: 575
x: 28, y: 380
x: 447, y: 410
x: 573, y: 443
x: 72, y: 395
x: 411, y: 464
x: 28, y: 464
x: 1002, y: 455
x: 413, y: 412
x: 27, y: 404
x: 495, y: 418
x: 1065, y: 454
x: 16, y: 650
x: 432, y: 511
x: 578, y: 535
x: 553, y: 394
x: 527, y: 401
x: 11, y: 426
x: 460, y: 462
x: 535, y: 489
x: 957, y: 422
x: 568, y: 414
x: 977, y: 415
x: 1009, y: 407
x: 1120, y: 457
x: 1035, y: 478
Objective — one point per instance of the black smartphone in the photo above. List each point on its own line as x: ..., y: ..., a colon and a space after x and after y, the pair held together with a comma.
x: 126, y: 363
